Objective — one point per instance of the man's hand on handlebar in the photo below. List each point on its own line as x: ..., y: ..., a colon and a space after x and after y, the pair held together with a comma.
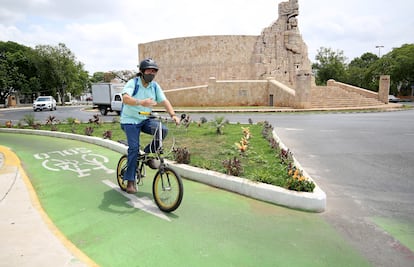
x: 176, y: 119
x: 150, y: 114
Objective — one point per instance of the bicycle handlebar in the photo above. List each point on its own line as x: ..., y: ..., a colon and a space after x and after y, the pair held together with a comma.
x: 152, y: 115
x: 155, y: 115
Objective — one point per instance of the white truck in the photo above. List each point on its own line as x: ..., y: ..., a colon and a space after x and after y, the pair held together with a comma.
x: 107, y: 97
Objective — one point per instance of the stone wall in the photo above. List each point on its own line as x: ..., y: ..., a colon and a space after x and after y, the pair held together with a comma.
x: 242, y: 66
x: 191, y: 61
x: 222, y: 93
x: 235, y: 93
x: 351, y: 88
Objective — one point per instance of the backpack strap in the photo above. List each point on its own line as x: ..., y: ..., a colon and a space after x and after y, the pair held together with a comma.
x: 136, y: 88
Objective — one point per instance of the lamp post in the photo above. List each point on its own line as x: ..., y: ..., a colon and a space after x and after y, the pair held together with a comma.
x: 379, y: 49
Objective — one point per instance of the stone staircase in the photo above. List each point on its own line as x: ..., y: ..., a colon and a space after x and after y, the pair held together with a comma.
x: 335, y: 97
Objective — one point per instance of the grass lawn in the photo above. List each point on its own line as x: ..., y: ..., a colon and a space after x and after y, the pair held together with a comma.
x: 213, y: 145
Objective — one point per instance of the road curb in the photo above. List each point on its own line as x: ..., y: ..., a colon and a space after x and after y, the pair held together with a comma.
x: 314, y: 202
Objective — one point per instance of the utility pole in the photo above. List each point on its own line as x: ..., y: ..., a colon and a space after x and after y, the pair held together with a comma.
x: 379, y: 49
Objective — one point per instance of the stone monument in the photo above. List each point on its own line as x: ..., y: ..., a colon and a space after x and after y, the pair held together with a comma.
x: 280, y: 51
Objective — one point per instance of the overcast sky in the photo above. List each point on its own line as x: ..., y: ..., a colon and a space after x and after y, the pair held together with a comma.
x: 104, y: 34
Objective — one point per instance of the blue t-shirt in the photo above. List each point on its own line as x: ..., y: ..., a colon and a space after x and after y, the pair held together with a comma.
x: 130, y: 114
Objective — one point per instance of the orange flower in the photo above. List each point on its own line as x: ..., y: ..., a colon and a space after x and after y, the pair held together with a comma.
x: 246, y: 132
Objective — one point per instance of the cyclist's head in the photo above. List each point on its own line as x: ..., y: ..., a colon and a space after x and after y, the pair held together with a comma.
x: 148, y: 68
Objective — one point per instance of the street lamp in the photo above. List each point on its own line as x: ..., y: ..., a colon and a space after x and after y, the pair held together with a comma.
x: 379, y: 49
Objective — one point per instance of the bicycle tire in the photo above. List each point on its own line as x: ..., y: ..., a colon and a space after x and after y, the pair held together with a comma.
x: 120, y: 170
x: 167, y: 189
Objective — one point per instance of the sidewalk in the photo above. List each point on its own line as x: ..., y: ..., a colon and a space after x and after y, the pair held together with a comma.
x: 28, y: 237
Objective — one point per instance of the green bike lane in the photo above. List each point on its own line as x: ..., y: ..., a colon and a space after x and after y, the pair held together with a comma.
x: 76, y: 186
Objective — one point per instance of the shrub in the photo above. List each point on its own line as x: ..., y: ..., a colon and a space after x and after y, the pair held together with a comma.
x: 219, y: 123
x: 88, y: 131
x: 51, y: 120
x: 233, y: 166
x: 29, y: 119
x: 181, y: 155
x: 107, y: 134
x: 95, y: 119
x: 297, y: 181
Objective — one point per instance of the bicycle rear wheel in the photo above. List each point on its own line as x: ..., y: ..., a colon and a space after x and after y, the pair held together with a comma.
x: 167, y: 189
x: 120, y: 170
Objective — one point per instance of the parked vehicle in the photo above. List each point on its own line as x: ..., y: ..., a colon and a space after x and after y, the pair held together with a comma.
x: 393, y: 99
x: 107, y: 97
x: 44, y: 102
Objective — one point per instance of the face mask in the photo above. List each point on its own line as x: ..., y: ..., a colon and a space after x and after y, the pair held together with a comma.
x: 148, y: 77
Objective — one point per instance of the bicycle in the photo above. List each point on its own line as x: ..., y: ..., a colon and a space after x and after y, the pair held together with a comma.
x: 167, y: 186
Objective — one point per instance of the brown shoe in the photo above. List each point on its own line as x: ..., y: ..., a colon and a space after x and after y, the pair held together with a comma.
x: 131, y: 187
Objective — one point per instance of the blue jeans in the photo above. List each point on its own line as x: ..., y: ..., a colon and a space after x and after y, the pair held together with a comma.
x: 133, y: 132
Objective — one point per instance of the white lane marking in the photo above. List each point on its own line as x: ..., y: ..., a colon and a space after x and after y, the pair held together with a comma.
x: 143, y: 203
x: 293, y: 129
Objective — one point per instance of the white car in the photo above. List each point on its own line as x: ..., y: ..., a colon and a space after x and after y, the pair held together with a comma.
x: 44, y: 102
x: 393, y: 99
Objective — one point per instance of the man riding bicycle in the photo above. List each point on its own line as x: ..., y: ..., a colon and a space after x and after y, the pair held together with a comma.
x: 140, y: 94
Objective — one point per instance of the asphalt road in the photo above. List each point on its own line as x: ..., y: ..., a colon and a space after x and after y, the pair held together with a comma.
x: 81, y: 113
x: 364, y: 163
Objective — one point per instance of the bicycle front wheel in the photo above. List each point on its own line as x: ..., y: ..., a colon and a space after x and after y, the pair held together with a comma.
x: 167, y: 190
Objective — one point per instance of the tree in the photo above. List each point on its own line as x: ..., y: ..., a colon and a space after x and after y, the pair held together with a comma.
x: 329, y: 65
x: 359, y: 72
x: 97, y: 77
x: 18, y: 72
x: 9, y: 77
x: 401, y: 69
x: 60, y: 70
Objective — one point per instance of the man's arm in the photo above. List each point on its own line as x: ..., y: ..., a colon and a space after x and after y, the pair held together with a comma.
x: 170, y: 110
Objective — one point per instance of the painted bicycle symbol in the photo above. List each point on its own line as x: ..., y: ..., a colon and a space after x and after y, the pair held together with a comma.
x: 83, y: 167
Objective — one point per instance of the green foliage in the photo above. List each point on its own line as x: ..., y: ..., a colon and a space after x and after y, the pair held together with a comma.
x: 203, y: 120
x: 29, y: 119
x: 329, y: 65
x: 261, y: 162
x: 360, y: 72
x: 300, y: 185
x: 45, y: 70
x: 71, y: 120
x: 366, y: 70
x: 97, y: 77
x: 400, y: 62
x: 67, y: 74
x: 218, y: 123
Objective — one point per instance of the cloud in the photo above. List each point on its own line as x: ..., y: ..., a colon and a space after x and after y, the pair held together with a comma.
x: 105, y: 34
